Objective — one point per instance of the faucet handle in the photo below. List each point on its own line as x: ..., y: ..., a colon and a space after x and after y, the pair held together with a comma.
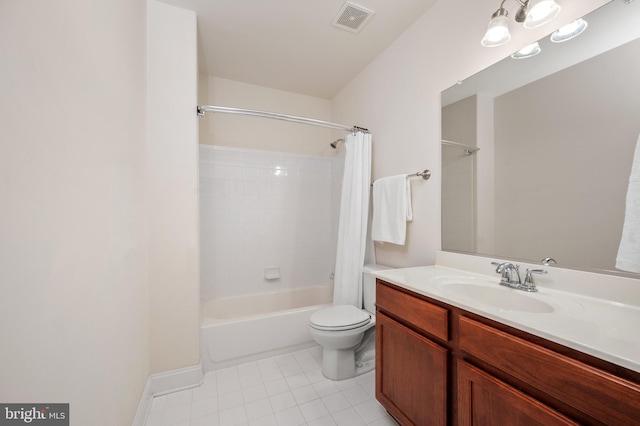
x: 528, y: 284
x: 504, y: 266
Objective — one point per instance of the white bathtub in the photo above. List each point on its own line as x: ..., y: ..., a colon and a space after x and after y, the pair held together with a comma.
x: 235, y: 330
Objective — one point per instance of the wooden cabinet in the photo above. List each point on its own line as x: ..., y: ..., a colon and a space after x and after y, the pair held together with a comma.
x: 440, y: 365
x: 483, y: 400
x: 414, y: 385
x: 597, y: 394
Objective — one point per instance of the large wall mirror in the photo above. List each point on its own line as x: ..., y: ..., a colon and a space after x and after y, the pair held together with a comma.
x: 556, y: 134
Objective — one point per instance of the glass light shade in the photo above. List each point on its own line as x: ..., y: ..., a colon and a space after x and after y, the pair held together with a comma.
x: 497, y: 33
x: 569, y: 31
x: 528, y: 51
x: 541, y: 13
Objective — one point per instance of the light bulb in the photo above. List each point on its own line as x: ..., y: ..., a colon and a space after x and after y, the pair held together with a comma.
x: 528, y: 51
x: 541, y: 13
x: 498, y: 31
x: 569, y: 31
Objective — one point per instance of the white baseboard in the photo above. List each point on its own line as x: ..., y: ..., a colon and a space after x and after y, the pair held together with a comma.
x: 164, y: 383
x: 176, y: 380
x: 144, y: 406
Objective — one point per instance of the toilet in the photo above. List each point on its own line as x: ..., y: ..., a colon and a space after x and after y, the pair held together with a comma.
x: 347, y: 334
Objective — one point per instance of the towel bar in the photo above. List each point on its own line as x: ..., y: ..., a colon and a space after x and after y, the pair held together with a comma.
x: 425, y: 174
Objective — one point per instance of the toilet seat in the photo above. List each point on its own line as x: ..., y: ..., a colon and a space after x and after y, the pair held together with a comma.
x: 341, y: 317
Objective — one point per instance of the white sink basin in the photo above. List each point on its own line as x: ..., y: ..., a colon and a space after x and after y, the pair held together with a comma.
x: 502, y: 298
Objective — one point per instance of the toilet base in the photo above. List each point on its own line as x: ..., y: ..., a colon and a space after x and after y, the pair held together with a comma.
x: 338, y: 364
x: 341, y: 364
x: 362, y: 368
x: 365, y: 354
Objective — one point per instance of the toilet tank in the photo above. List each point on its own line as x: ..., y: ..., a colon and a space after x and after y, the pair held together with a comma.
x: 369, y: 286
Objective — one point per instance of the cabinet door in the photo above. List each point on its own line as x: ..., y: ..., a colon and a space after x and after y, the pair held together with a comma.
x: 484, y: 400
x: 411, y: 374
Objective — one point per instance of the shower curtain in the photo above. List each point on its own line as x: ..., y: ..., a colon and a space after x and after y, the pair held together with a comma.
x: 354, y: 214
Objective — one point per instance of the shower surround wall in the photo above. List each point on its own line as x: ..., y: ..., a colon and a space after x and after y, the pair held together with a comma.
x: 266, y: 209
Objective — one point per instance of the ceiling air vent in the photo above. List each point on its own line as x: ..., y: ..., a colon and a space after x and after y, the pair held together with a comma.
x: 352, y: 17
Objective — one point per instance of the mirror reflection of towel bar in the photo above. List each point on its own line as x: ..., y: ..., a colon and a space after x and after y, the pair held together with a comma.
x: 468, y: 150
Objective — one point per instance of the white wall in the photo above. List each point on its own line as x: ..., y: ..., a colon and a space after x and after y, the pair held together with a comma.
x: 265, y: 209
x: 173, y: 186
x: 262, y: 133
x: 275, y: 231
x: 74, y: 300
x: 397, y: 97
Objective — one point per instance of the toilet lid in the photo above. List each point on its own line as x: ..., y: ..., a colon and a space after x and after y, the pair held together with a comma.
x: 341, y: 317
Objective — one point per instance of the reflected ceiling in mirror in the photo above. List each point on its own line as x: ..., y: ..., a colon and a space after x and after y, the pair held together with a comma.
x: 557, y: 133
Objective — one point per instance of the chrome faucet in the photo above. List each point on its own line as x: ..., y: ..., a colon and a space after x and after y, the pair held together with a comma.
x: 510, y: 276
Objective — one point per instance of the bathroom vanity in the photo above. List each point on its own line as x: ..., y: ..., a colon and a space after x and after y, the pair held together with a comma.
x: 443, y: 358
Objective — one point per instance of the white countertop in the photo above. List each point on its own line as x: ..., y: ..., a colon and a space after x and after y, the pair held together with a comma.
x: 606, y: 329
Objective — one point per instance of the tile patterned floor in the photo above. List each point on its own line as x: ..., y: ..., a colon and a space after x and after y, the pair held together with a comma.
x: 287, y: 390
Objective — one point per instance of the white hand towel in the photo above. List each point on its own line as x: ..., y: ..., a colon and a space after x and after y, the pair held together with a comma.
x: 391, y: 209
x: 629, y: 251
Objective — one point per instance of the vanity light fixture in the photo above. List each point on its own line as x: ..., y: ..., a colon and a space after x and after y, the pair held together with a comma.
x: 498, y: 31
x: 569, y: 31
x: 528, y: 51
x: 533, y: 13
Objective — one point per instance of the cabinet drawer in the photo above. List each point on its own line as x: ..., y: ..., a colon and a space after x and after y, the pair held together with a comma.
x: 605, y: 397
x: 419, y: 313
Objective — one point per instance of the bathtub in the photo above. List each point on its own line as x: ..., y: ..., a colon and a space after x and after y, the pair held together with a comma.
x: 240, y: 329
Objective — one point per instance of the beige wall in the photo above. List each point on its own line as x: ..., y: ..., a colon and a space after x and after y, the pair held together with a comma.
x: 459, y: 130
x: 92, y: 213
x: 485, y: 176
x: 74, y: 304
x: 459, y: 176
x: 261, y: 133
x: 565, y: 178
x: 173, y: 187
x: 397, y: 96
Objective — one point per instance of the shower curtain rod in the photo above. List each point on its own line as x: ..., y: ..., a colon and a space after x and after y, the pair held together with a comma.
x: 303, y: 120
x: 468, y: 150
